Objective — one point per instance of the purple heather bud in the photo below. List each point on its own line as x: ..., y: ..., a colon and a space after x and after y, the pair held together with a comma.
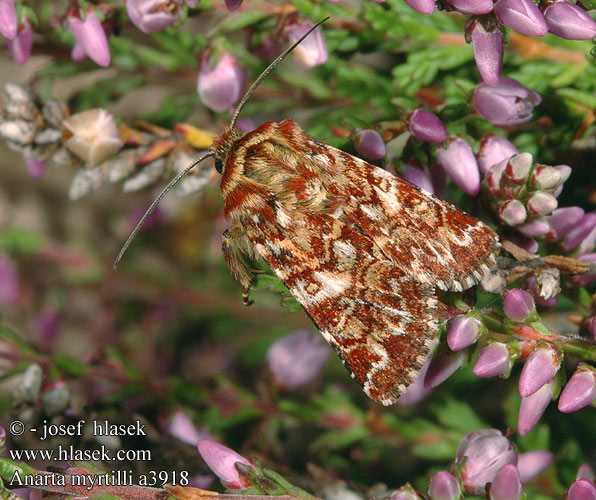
x: 94, y: 135
x: 78, y: 54
x: 508, y: 103
x: 418, y: 175
x: 20, y: 46
x: 153, y: 15
x: 492, y: 179
x: 518, y: 304
x: 565, y: 171
x: 182, y: 427
x: 585, y: 279
x: 9, y: 281
x: 521, y: 15
x: 221, y: 459
x: 444, y: 486
x: 463, y: 332
x: 233, y: 5
x: 245, y: 125
x: 580, y: 232
x: 562, y: 221
x: 528, y: 244
x: 567, y: 20
x: 296, y: 359
x: 532, y: 463
x: 471, y: 7
x: 221, y: 88
x: 416, y: 391
x: 488, y: 51
x: 406, y: 492
x: 459, y: 163
x: 512, y: 212
x: 586, y: 471
x: 540, y: 368
x: 518, y: 168
x: 545, y: 177
x: 91, y: 36
x: 442, y: 367
x: 540, y: 300
x: 581, y: 489
x: 507, y: 484
x: 426, y: 126
x: 580, y: 391
x: 535, y: 228
x: 493, y: 361
x: 48, y: 325
x: 8, y: 19
x: 313, y: 50
x: 426, y: 7
x: 482, y: 454
x: 36, y: 167
x: 532, y: 407
x: 541, y: 203
x: 370, y: 144
x: 494, y: 149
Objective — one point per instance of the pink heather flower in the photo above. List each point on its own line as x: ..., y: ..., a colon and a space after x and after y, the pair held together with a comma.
x: 580, y: 391
x: 518, y: 304
x: 442, y: 367
x: 506, y: 104
x: 233, y: 5
x: 586, y: 471
x: 36, y: 167
x: 585, y: 279
x: 153, y: 15
x: 20, y: 46
x: 48, y: 324
x: 533, y: 287
x: 313, y: 50
x: 567, y: 20
x: 221, y: 88
x: 562, y: 221
x: 78, y: 54
x: 426, y: 126
x: 507, y: 484
x: 521, y: 15
x: 182, y: 427
x: 91, y: 36
x: 582, y: 235
x: 8, y: 19
x: 471, y: 7
x: 459, y: 163
x: 9, y: 281
x: 444, y: 486
x: 221, y: 459
x: 296, y: 359
x: 494, y: 360
x: 532, y: 407
x: 463, y: 332
x: 370, y: 144
x: 534, y: 228
x: 540, y: 367
x: 417, y: 174
x: 426, y: 7
x: 581, y: 489
x: 494, y: 149
x: 482, y: 454
x: 416, y: 391
x: 488, y: 52
x: 532, y: 463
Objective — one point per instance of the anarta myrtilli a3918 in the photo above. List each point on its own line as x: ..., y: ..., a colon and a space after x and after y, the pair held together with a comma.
x: 360, y: 249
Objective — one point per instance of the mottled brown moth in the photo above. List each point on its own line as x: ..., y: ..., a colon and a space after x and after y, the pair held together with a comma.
x: 361, y: 250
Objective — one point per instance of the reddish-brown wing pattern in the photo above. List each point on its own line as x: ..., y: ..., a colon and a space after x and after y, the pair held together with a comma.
x: 359, y: 249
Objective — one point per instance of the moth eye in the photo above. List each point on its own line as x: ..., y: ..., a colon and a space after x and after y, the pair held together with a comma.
x: 219, y: 166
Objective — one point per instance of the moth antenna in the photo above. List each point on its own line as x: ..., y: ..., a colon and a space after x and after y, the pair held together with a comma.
x: 153, y: 206
x: 264, y: 74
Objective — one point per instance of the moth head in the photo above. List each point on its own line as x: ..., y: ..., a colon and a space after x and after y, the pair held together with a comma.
x: 222, y: 146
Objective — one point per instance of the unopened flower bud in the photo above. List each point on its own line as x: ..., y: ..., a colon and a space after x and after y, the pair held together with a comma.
x: 565, y: 171
x: 545, y: 177
x: 9, y: 281
x: 518, y: 168
x: 494, y: 149
x: 426, y: 126
x: 36, y: 167
x: 153, y: 15
x: 90, y: 35
x: 581, y: 489
x: 233, y: 5
x: 20, y: 46
x: 406, y: 492
x: 586, y: 471
x: 426, y: 7
x: 585, y: 279
x: 418, y: 175
x: 442, y: 367
x: 541, y: 203
x: 8, y: 19
x: 532, y: 463
x: 534, y: 228
x: 220, y: 88
x: 508, y: 103
x: 507, y: 484
x: 532, y: 407
x: 540, y: 367
x: 313, y: 50
x: 521, y: 15
x: 518, y: 304
x: 370, y: 144
x: 493, y: 361
x: 94, y: 135
x: 182, y: 427
x: 463, y: 332
x: 567, y: 20
x: 487, y: 45
x: 580, y: 390
x: 444, y: 486
x: 471, y: 7
x: 492, y: 180
x: 512, y: 212
x: 582, y: 230
x: 221, y: 460
x: 459, y: 163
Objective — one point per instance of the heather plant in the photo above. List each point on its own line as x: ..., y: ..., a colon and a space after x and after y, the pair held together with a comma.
x: 489, y: 105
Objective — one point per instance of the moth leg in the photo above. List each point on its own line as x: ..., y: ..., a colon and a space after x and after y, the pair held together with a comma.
x: 238, y: 249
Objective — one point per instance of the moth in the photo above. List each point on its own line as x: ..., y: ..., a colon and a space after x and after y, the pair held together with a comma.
x: 361, y: 250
